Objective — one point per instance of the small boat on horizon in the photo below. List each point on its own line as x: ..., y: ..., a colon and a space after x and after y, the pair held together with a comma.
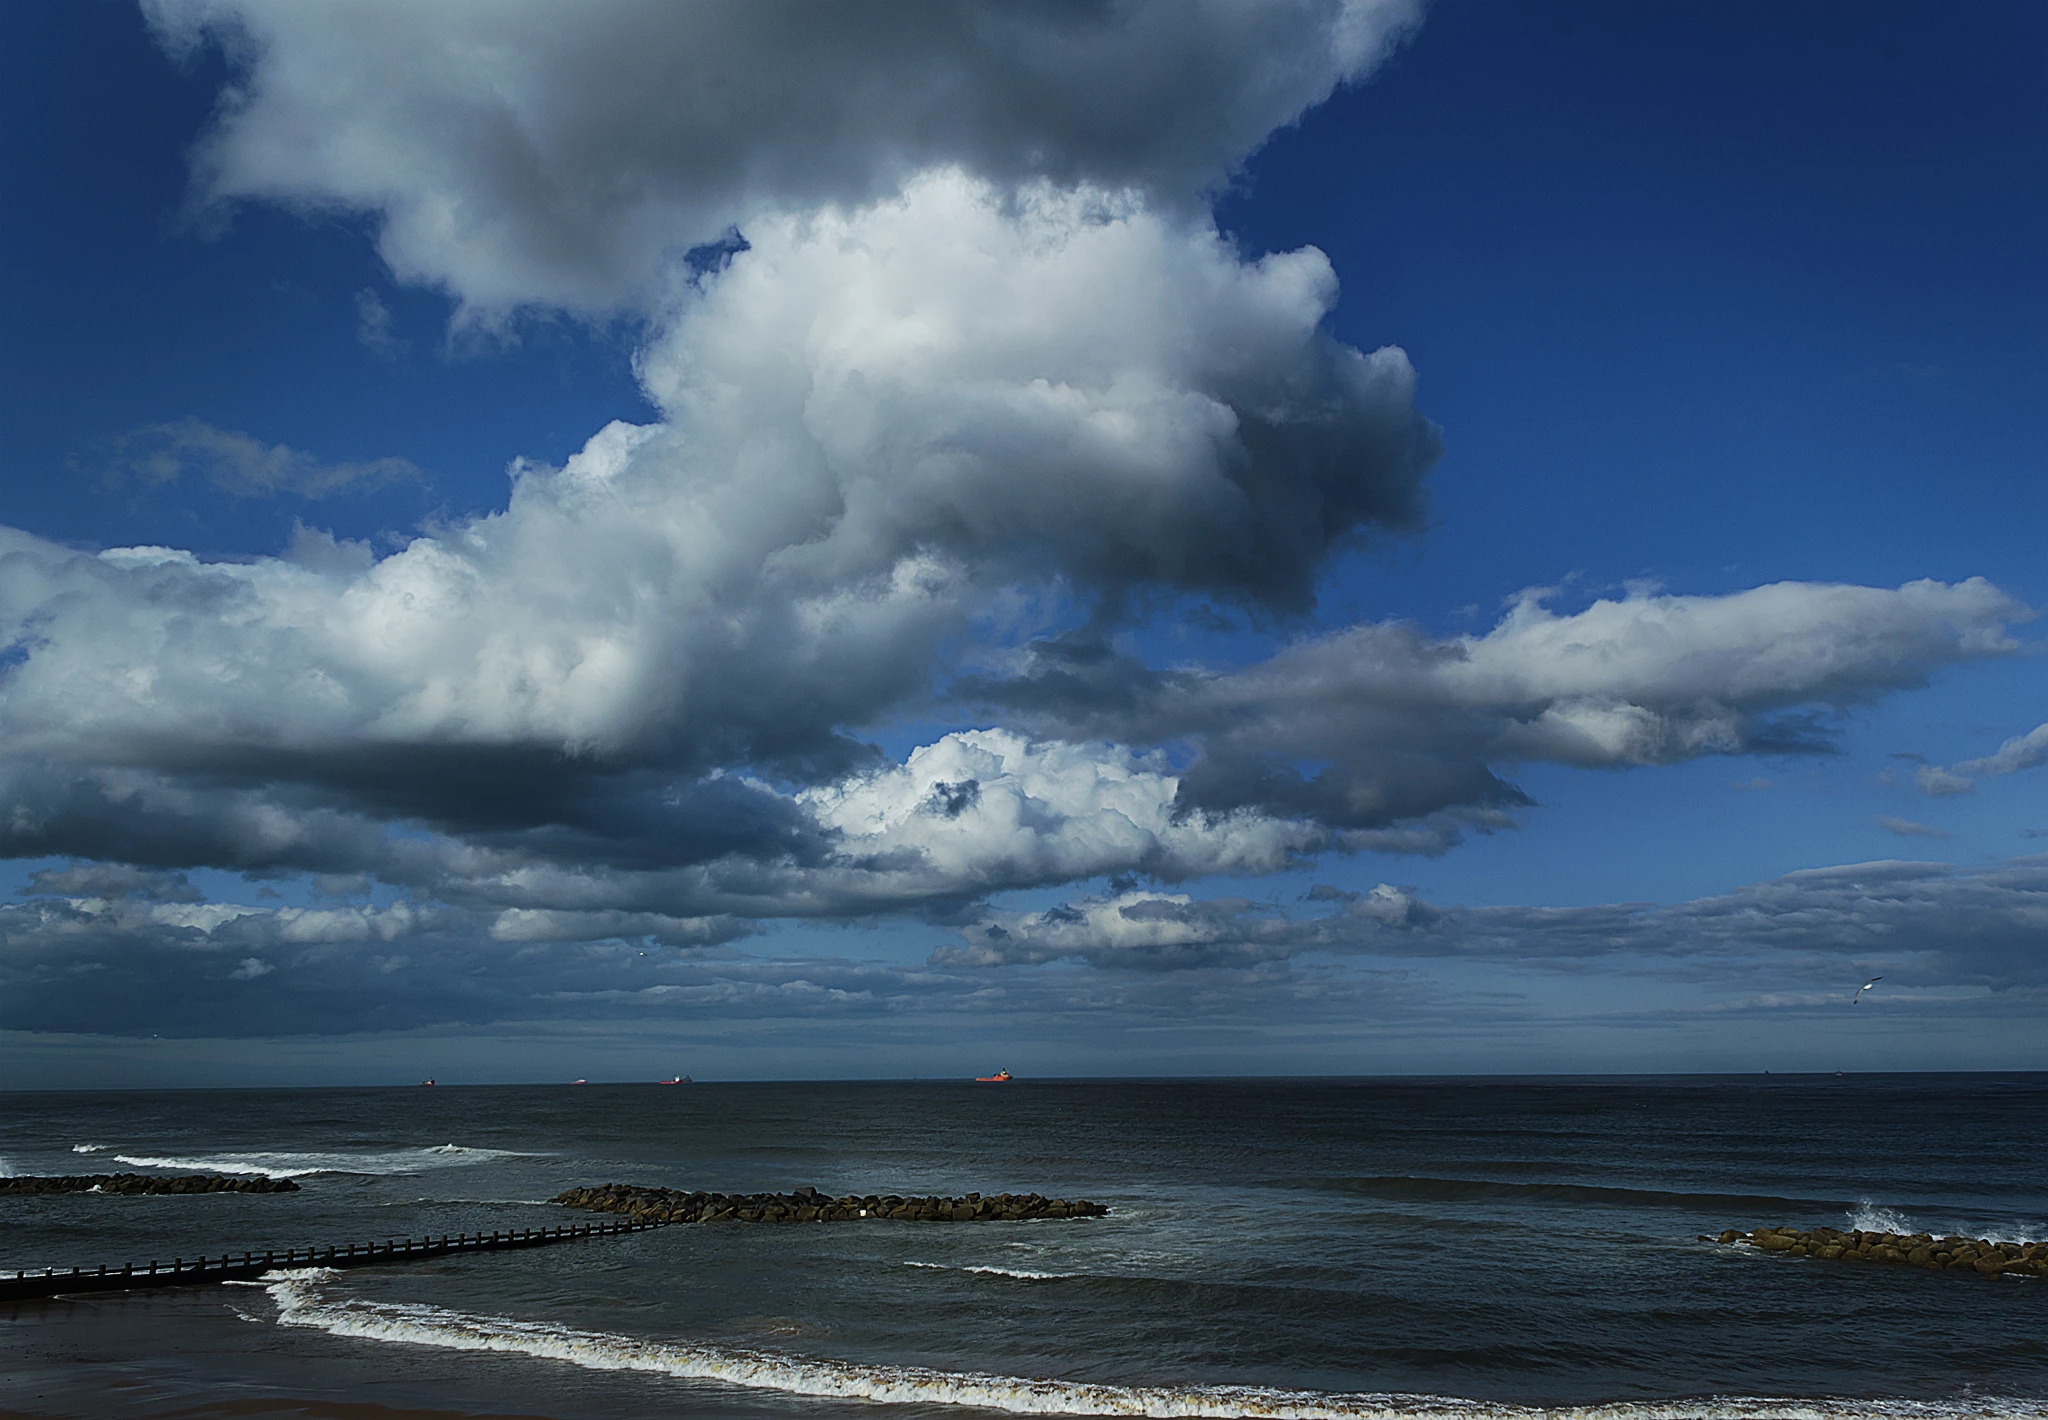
x: 1001, y: 1077
x: 678, y: 1080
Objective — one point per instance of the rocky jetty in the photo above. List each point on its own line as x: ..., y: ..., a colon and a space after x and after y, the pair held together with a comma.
x: 131, y: 1183
x: 1953, y: 1254
x: 807, y: 1205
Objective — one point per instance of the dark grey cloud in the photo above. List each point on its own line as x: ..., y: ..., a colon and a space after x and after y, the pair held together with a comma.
x: 1379, y: 725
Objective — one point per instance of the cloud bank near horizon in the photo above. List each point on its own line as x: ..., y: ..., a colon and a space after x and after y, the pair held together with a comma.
x: 1920, y: 924
x: 122, y: 953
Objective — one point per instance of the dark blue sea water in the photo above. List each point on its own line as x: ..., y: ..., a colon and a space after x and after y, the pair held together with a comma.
x: 1469, y: 1247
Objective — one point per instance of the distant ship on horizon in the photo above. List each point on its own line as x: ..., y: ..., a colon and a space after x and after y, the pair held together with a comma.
x: 678, y: 1080
x: 1001, y: 1077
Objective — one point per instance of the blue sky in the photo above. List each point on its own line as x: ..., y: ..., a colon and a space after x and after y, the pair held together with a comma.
x: 1696, y: 300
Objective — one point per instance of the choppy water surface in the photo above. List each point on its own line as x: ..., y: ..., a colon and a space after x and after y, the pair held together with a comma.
x: 1316, y: 1249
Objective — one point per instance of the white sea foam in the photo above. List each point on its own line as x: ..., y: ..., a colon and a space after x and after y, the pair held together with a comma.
x: 1868, y: 1217
x: 301, y: 1301
x: 297, y: 1165
x: 88, y: 1148
x: 995, y: 1271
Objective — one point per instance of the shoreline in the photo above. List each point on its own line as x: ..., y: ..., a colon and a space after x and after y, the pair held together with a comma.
x: 211, y: 1374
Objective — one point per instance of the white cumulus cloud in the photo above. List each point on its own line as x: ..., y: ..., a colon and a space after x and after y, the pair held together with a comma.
x: 531, y: 152
x: 2021, y: 752
x: 866, y: 439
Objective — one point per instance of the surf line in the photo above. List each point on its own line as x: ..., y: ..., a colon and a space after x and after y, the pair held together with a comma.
x: 248, y: 1266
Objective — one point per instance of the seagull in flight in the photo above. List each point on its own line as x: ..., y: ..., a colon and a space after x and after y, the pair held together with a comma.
x: 1863, y: 988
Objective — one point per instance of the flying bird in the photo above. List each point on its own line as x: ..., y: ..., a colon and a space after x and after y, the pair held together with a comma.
x: 1863, y: 988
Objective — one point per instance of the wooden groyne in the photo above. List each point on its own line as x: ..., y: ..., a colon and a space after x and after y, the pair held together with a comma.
x: 248, y: 1266
x: 808, y: 1205
x: 1950, y: 1254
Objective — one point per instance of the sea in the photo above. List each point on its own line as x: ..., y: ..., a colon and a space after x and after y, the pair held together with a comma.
x: 1468, y: 1248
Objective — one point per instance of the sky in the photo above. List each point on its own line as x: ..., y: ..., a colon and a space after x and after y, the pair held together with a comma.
x: 1304, y: 537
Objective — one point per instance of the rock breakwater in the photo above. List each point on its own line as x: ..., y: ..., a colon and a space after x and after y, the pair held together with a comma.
x: 1951, y: 1253
x: 808, y: 1205
x: 133, y: 1183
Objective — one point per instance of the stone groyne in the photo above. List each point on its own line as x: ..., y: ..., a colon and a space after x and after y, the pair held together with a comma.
x: 133, y: 1183
x: 1952, y: 1254
x: 808, y: 1205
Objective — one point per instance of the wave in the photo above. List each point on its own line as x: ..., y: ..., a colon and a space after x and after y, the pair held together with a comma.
x: 1870, y: 1217
x: 1472, y: 1190
x: 997, y: 1272
x: 301, y: 1302
x: 88, y: 1148
x: 298, y: 1165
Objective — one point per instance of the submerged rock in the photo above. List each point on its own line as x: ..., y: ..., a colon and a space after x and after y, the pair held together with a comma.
x: 133, y: 1183
x: 808, y: 1205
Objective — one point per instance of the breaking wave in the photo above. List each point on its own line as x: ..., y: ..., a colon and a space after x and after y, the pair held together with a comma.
x: 297, y: 1165
x: 301, y: 1302
x: 1871, y: 1218
x: 88, y: 1148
